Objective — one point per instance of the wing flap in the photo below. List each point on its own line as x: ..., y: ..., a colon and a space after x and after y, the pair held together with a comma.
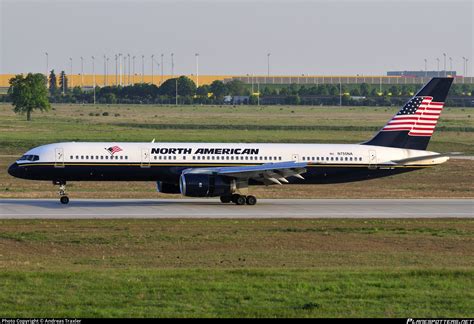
x: 269, y: 173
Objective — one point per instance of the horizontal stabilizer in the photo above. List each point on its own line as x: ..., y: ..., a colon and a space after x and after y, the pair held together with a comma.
x: 424, y: 158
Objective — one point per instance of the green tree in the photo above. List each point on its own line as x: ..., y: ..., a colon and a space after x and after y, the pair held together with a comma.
x: 203, y: 90
x: 53, y: 85
x: 63, y: 82
x: 29, y: 93
x: 364, y: 89
x: 186, y: 87
x: 218, y: 89
x: 237, y: 88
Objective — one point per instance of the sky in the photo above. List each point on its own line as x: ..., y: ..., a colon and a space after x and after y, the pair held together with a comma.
x: 321, y: 37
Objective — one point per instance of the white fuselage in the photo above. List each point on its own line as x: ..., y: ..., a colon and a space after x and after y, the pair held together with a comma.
x: 222, y: 153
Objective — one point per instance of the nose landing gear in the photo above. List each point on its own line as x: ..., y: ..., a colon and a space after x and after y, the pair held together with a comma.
x: 63, y: 198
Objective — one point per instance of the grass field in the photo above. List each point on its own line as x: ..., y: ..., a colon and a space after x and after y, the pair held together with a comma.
x: 236, y: 268
x: 289, y: 268
x: 234, y: 124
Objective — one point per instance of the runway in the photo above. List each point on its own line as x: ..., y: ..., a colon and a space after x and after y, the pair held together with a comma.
x: 212, y: 208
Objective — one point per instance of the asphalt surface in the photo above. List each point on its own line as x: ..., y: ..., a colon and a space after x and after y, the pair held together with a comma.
x: 212, y: 208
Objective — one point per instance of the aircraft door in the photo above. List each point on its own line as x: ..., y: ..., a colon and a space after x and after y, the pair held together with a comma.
x: 58, y: 157
x: 372, y: 159
x: 145, y: 160
x: 295, y: 157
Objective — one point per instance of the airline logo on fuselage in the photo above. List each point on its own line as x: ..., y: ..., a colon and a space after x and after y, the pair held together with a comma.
x: 222, y: 151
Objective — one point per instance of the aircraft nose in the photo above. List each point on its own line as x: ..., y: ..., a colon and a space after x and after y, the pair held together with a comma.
x: 13, y: 170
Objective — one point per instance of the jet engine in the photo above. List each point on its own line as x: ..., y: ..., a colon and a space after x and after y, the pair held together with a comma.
x: 206, y: 185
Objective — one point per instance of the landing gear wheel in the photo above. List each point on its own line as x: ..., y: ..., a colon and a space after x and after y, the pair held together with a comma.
x: 251, y: 200
x: 226, y: 199
x: 64, y: 200
x: 234, y: 198
x: 240, y: 200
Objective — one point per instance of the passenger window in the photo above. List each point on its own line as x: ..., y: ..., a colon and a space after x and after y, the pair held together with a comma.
x: 106, y: 157
x: 126, y: 157
x: 174, y: 157
x: 101, y: 157
x: 71, y: 157
x: 184, y: 157
x: 121, y: 157
x: 337, y: 159
x: 155, y: 157
x: 327, y: 158
x: 360, y: 159
x: 82, y: 157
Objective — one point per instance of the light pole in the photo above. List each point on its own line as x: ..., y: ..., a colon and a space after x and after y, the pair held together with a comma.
x: 426, y: 67
x: 437, y: 59
x: 129, y: 69
x: 133, y: 72
x: 120, y: 68
x: 116, y: 70
x: 451, y: 64
x: 467, y: 67
x: 105, y: 70
x: 162, y: 68
x: 152, y: 61
x: 444, y: 54
x: 82, y: 72
x: 47, y: 65
x: 463, y: 67
x: 143, y: 68
x: 197, y: 69
x: 70, y: 72
x: 93, y: 75
x: 268, y: 63
x: 172, y: 64
x: 125, y: 69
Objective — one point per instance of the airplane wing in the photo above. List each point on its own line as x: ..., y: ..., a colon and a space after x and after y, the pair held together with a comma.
x: 269, y: 173
x: 424, y: 158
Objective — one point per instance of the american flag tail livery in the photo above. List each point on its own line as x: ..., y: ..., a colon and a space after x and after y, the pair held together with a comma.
x: 413, y: 125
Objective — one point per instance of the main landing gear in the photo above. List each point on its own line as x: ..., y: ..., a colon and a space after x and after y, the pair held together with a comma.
x: 63, y: 198
x: 239, y: 199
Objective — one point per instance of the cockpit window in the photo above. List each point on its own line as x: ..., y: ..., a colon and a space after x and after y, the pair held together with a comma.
x: 29, y: 158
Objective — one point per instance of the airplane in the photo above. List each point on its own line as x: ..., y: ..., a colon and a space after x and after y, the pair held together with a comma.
x: 227, y: 170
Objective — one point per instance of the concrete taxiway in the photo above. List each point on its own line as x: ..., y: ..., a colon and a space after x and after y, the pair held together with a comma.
x: 212, y: 208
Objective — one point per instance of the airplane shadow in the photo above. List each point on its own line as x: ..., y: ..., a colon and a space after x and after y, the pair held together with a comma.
x: 55, y: 204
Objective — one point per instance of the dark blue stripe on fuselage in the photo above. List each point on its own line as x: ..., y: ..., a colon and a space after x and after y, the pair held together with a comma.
x: 316, y: 174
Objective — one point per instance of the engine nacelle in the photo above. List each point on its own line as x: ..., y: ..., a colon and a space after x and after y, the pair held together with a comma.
x: 205, y: 185
x: 167, y: 188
